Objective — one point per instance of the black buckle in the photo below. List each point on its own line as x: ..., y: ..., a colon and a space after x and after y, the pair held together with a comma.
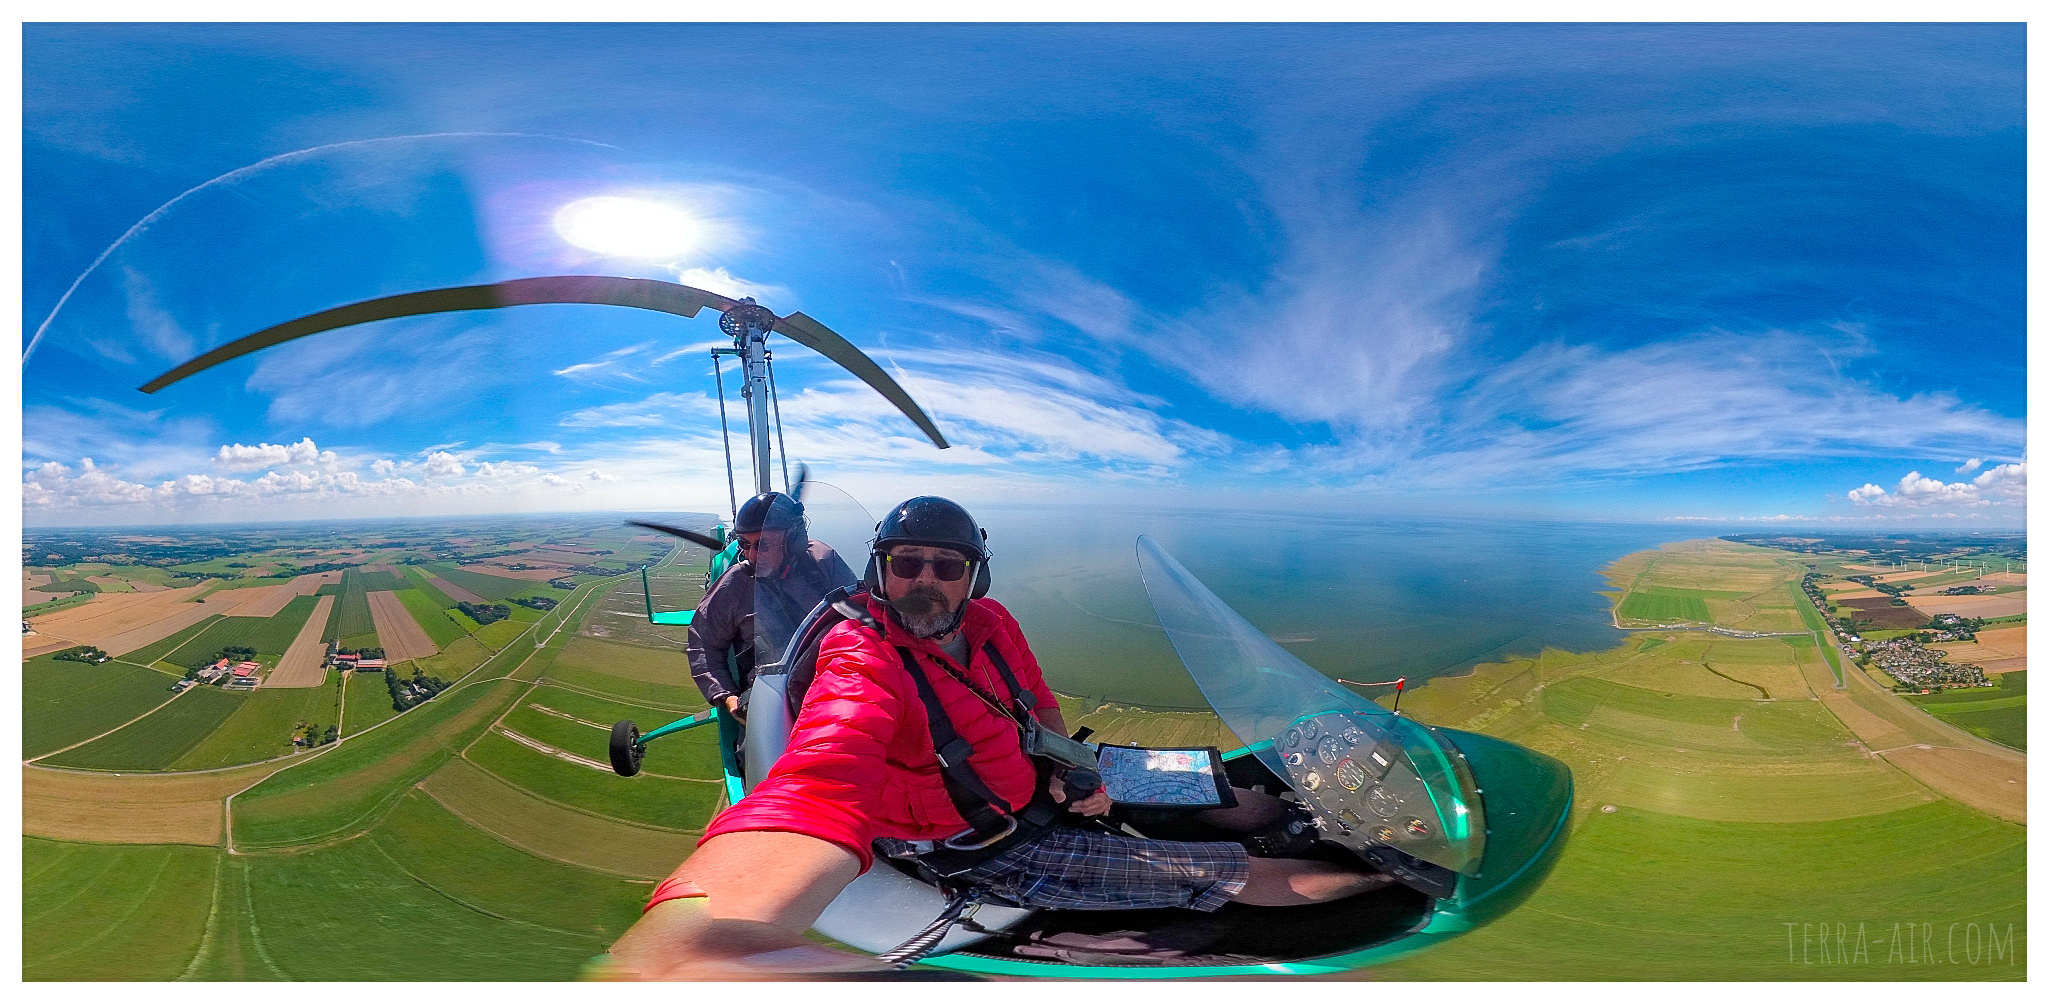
x: 1010, y: 826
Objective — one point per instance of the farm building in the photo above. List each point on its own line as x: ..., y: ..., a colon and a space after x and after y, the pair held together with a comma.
x: 370, y: 665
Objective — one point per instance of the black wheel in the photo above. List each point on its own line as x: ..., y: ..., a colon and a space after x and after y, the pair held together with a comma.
x: 626, y: 748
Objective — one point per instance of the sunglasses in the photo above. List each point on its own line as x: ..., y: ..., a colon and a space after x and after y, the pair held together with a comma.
x: 945, y: 569
x: 747, y: 546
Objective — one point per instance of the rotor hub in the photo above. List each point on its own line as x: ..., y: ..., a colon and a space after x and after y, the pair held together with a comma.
x: 746, y: 318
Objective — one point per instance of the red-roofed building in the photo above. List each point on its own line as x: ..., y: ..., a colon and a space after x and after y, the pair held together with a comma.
x: 368, y: 664
x: 243, y: 669
x: 350, y: 657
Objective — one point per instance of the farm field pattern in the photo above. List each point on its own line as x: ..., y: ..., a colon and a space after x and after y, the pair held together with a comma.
x: 1729, y: 774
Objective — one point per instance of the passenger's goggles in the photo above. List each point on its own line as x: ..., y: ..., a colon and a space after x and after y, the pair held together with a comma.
x: 945, y: 569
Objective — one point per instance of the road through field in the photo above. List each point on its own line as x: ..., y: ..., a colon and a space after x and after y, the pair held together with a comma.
x: 398, y: 633
x: 303, y: 663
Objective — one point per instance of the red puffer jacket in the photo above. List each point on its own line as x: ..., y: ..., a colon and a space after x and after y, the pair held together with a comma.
x: 860, y: 762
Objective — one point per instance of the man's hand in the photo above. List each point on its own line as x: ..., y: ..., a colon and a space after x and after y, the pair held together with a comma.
x: 1097, y: 803
x: 732, y: 706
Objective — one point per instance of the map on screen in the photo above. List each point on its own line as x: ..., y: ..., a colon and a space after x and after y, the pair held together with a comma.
x: 1181, y: 777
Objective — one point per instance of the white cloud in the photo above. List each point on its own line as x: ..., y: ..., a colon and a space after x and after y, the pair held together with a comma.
x: 1970, y: 464
x: 443, y: 465
x: 2002, y: 485
x: 238, y: 458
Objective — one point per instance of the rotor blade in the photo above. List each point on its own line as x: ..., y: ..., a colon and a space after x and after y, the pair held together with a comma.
x: 826, y: 342
x: 603, y: 290
x: 803, y: 477
x: 694, y: 537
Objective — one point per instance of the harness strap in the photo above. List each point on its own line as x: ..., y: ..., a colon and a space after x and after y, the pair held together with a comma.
x: 983, y: 811
x: 1024, y: 698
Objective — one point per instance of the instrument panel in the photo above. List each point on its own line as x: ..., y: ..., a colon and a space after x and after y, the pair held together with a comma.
x: 1358, y: 782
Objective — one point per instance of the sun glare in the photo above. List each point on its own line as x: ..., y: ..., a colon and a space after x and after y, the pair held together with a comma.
x: 627, y: 227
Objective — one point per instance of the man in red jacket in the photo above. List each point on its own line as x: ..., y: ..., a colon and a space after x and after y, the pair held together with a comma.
x: 947, y: 670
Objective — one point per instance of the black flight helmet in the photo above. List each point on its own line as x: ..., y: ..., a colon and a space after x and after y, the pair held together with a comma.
x: 774, y: 512
x: 930, y: 521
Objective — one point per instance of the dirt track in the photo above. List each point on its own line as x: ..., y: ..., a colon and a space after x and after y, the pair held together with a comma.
x: 1989, y: 784
x: 301, y: 667
x: 397, y: 632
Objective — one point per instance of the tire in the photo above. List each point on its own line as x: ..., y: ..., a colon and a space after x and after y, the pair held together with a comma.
x: 626, y: 748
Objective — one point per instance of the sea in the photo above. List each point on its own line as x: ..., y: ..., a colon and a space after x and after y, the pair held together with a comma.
x: 1367, y: 599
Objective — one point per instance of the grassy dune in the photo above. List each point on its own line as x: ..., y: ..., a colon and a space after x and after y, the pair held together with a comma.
x: 446, y: 854
x: 67, y: 702
x: 668, y: 804
x: 344, y: 790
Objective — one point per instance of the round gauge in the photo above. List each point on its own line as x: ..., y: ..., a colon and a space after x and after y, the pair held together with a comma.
x: 1310, y: 729
x: 1330, y: 750
x: 1383, y: 834
x: 1314, y: 781
x: 1417, y: 827
x: 1293, y: 737
x: 1352, y: 736
x: 1382, y: 803
x: 1351, y: 775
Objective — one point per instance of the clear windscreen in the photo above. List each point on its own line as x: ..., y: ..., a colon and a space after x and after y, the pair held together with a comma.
x: 829, y: 547
x: 1373, y: 777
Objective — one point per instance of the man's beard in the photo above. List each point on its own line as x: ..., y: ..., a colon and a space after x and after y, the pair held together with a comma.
x: 922, y: 611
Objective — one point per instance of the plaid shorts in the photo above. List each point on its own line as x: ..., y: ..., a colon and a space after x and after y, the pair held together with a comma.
x: 1086, y: 869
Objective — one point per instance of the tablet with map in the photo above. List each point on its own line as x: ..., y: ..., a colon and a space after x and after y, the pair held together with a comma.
x: 1166, y: 778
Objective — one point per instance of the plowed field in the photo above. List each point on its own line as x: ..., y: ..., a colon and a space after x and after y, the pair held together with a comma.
x: 397, y: 631
x: 120, y: 622
x: 301, y: 665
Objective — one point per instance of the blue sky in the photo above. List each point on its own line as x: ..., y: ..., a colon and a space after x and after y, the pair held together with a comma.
x: 1630, y: 273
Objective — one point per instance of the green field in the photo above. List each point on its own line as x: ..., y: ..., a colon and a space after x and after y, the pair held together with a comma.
x: 270, y: 636
x: 157, y: 741
x: 54, y: 605
x: 425, y: 584
x: 1662, y: 607
x: 671, y: 804
x: 67, y: 702
x: 491, y: 587
x: 94, y: 912
x: 1996, y: 713
x: 692, y: 753
x: 1628, y: 898
x: 369, y: 702
x: 262, y: 727
x: 376, y: 581
x: 150, y: 654
x: 432, y: 618
x: 470, y: 867
x: 344, y: 789
x: 351, y: 610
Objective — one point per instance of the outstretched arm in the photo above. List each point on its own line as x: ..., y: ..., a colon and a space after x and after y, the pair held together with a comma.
x: 762, y: 890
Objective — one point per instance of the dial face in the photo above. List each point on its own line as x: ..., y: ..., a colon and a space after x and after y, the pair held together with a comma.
x: 1352, y: 736
x: 1314, y: 780
x: 1383, y: 833
x: 1382, y: 803
x: 1330, y: 750
x: 1351, y: 775
x: 1417, y: 827
x: 1293, y: 737
x: 1311, y: 728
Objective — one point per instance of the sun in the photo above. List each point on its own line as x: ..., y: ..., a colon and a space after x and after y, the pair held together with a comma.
x: 627, y: 227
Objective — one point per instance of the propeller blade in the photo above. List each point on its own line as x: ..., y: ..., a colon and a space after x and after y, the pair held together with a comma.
x: 826, y: 342
x: 699, y: 539
x: 603, y: 290
x: 803, y: 477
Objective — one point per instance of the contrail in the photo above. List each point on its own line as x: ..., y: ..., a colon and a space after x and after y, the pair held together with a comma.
x: 242, y: 172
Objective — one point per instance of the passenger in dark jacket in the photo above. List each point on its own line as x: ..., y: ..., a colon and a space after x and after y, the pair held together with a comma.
x: 749, y: 614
